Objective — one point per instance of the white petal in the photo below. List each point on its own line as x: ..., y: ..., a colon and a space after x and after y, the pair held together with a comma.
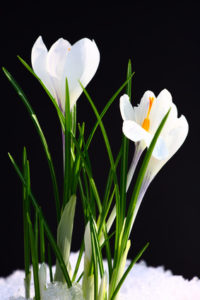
x: 38, y: 59
x: 174, y: 139
x: 160, y: 107
x: 81, y: 65
x: 164, y: 95
x: 142, y: 110
x: 135, y: 132
x: 126, y: 108
x: 160, y: 150
x: 177, y: 135
x: 56, y: 57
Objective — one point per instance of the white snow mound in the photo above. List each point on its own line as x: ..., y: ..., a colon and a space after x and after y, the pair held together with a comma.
x: 142, y: 283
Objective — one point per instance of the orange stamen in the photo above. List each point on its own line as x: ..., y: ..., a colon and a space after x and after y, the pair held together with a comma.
x: 146, y: 122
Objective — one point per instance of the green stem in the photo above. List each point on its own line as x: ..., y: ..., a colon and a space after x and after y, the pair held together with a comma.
x: 34, y: 259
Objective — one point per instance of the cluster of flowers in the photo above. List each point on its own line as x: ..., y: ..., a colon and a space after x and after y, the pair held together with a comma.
x: 78, y: 63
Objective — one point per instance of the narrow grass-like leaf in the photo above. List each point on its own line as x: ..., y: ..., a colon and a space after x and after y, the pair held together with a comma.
x: 50, y: 263
x: 128, y: 270
x: 42, y: 137
x: 124, y: 160
x: 34, y: 257
x: 91, y: 188
x: 97, y: 247
x: 108, y: 253
x: 80, y: 277
x: 77, y: 163
x: 105, y: 213
x: 36, y: 232
x: 108, y: 148
x: 106, y: 109
x: 73, y: 123
x: 42, y: 240
x: 83, y: 200
x: 49, y: 235
x: 67, y: 160
x: 96, y: 195
x: 110, y: 181
x: 60, y: 115
x: 26, y: 210
x: 139, y: 180
x: 95, y: 266
x: 78, y: 261
x: 107, y: 239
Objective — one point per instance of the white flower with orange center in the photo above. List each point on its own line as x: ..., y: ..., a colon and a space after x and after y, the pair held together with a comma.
x: 77, y: 62
x: 140, y: 124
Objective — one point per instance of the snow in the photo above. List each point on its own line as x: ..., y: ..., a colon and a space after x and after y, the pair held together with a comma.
x: 142, y: 283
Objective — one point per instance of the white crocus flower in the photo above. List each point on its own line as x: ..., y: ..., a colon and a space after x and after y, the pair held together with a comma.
x: 174, y: 133
x: 77, y: 62
x: 140, y: 125
x: 141, y: 122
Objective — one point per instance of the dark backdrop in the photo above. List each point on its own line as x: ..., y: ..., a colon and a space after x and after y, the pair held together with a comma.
x: 163, y: 44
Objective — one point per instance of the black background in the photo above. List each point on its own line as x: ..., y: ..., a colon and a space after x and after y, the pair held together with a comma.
x: 163, y: 43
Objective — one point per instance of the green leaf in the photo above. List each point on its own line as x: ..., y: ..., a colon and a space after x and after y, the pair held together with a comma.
x: 106, y: 109
x: 49, y: 235
x: 97, y: 246
x: 128, y: 270
x: 78, y: 261
x: 42, y: 138
x: 34, y: 257
x: 108, y: 148
x: 96, y: 195
x: 26, y: 210
x: 119, y: 269
x: 140, y: 178
x: 42, y: 240
x: 124, y: 160
x: 60, y: 115
x: 67, y: 152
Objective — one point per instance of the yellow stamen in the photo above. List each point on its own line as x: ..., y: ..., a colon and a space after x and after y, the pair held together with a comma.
x: 69, y: 49
x: 146, y: 122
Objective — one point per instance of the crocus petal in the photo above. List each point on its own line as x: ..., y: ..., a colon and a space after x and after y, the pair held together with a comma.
x: 126, y: 108
x: 141, y: 110
x: 38, y: 59
x: 135, y: 132
x: 160, y: 107
x: 56, y: 57
x: 160, y: 150
x: 81, y: 65
x: 174, y: 139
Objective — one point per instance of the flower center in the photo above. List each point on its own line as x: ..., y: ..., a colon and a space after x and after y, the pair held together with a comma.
x: 146, y: 122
